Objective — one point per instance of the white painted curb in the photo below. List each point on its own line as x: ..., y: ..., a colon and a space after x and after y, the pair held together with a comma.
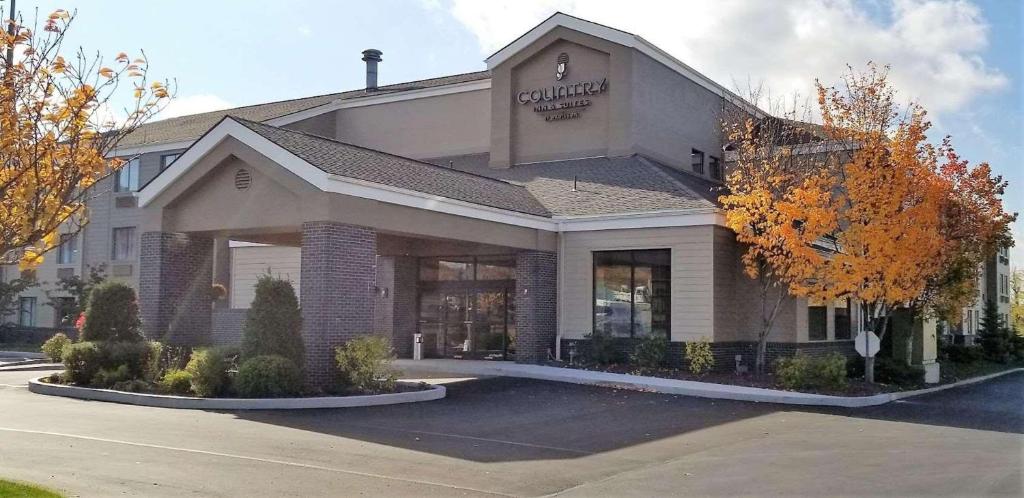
x: 670, y: 386
x: 189, y: 403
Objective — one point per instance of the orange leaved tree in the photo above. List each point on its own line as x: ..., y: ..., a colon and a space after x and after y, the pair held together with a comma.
x: 889, y: 200
x: 779, y: 204
x: 57, y: 130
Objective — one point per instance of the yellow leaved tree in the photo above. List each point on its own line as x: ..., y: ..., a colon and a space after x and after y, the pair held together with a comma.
x: 58, y: 129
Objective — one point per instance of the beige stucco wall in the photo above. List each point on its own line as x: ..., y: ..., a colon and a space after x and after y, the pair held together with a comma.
x: 444, y: 125
x: 692, y: 277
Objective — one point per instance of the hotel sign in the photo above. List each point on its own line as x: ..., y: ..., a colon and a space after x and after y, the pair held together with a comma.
x: 565, y: 100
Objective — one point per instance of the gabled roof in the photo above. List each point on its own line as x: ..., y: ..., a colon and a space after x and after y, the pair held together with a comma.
x: 188, y: 128
x: 620, y: 37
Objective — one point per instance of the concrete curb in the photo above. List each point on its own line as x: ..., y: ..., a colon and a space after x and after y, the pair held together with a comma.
x: 189, y: 403
x: 670, y: 386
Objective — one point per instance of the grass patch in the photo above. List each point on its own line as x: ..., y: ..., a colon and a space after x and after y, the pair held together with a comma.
x: 21, y: 490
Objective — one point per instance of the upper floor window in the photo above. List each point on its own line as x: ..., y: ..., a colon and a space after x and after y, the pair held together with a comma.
x: 67, y: 249
x: 716, y: 167
x: 167, y: 159
x: 127, y: 178
x: 123, y: 246
x: 817, y: 320
x: 697, y: 161
x: 27, y: 312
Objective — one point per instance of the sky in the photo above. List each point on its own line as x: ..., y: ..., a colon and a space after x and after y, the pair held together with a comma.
x: 963, y: 60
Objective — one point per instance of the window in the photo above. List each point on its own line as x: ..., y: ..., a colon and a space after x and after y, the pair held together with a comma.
x: 67, y: 249
x: 63, y: 307
x: 817, y: 320
x: 127, y: 178
x: 453, y: 269
x: 716, y: 167
x: 632, y: 292
x: 27, y: 312
x: 167, y: 159
x: 123, y: 246
x: 697, y: 161
x: 841, y: 316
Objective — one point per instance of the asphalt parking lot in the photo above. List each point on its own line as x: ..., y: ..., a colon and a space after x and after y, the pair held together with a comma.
x: 514, y: 437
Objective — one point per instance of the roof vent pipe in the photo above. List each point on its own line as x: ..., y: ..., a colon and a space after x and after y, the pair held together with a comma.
x: 371, y: 56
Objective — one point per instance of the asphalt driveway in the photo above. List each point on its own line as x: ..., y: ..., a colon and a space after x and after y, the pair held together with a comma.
x: 518, y: 437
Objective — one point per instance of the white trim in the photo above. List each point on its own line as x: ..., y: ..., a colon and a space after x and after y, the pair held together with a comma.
x: 404, y: 197
x: 621, y: 38
x: 384, y: 98
x: 147, y: 148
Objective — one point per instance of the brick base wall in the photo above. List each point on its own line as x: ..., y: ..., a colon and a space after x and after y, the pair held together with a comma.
x: 227, y: 326
x: 536, y: 305
x: 724, y: 352
x: 175, y: 275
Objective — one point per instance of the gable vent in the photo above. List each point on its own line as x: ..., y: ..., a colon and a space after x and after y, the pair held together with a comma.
x: 243, y: 179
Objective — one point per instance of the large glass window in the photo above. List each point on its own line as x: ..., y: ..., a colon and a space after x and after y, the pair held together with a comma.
x: 123, y: 244
x: 127, y: 178
x: 632, y: 292
x: 842, y: 318
x: 817, y: 320
x: 66, y: 250
x: 453, y: 269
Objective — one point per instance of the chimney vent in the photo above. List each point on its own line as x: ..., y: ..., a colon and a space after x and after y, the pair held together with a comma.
x: 371, y: 56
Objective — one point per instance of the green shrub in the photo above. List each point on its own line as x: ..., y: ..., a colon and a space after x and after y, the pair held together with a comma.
x: 804, y: 372
x: 112, y: 315
x: 176, y: 382
x: 364, y: 365
x: 994, y: 337
x: 959, y: 353
x: 602, y: 348
x: 209, y: 370
x: 82, y: 360
x: 273, y: 325
x: 268, y: 376
x: 699, y: 354
x: 54, y: 346
x: 106, y: 377
x: 1017, y: 343
x: 136, y: 356
x: 650, y: 351
x: 153, y: 365
x: 889, y: 371
x: 132, y: 386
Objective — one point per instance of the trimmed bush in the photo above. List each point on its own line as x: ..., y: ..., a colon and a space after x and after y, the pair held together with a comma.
x: 209, y: 371
x: 602, y: 347
x: 889, y: 371
x: 176, y: 382
x: 650, y: 351
x: 82, y: 360
x: 699, y: 354
x: 54, y: 346
x: 112, y: 315
x: 268, y: 376
x: 959, y: 353
x: 106, y: 377
x: 364, y: 365
x: 153, y: 365
x: 136, y: 356
x: 804, y: 372
x: 273, y: 325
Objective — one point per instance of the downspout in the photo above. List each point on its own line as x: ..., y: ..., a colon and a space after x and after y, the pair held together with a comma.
x: 559, y: 280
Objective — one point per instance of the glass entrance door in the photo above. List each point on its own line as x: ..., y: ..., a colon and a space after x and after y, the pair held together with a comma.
x: 468, y: 323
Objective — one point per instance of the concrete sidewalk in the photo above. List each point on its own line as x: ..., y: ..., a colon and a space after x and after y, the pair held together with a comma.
x: 655, y: 384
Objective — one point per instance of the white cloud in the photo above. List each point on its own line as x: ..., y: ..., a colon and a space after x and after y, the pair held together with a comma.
x: 305, y: 31
x: 193, y: 104
x: 933, y: 46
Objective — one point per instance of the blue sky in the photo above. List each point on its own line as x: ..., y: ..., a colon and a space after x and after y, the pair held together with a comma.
x: 962, y: 59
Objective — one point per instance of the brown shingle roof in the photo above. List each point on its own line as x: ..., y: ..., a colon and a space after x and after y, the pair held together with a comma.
x: 374, y: 166
x: 190, y: 127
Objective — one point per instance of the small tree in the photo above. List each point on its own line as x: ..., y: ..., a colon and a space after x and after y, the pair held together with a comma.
x: 273, y: 325
x: 993, y: 334
x: 77, y: 288
x: 112, y: 315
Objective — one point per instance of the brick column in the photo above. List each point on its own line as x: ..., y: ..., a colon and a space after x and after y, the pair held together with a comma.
x: 175, y: 274
x: 536, y: 307
x: 338, y: 277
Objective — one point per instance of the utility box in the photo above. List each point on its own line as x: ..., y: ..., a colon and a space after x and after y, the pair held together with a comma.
x: 417, y: 346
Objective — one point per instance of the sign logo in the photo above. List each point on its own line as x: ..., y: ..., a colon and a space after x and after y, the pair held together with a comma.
x: 562, y: 66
